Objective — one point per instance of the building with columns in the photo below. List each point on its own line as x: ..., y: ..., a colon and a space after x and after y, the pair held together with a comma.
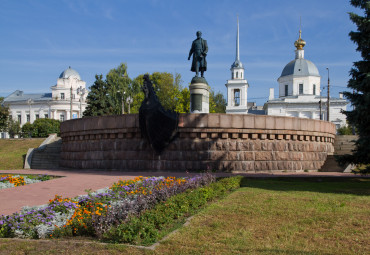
x: 237, y: 86
x: 67, y: 100
x: 300, y: 92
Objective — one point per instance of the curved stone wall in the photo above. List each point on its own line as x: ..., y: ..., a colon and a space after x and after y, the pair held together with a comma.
x: 216, y: 142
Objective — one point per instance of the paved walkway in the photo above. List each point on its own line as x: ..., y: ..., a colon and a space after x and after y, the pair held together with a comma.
x: 76, y: 182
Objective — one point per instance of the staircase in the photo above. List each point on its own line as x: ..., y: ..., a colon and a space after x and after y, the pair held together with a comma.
x: 47, y: 156
x: 343, y: 144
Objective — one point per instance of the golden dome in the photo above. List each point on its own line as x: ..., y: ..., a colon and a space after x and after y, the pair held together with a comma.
x: 300, y: 43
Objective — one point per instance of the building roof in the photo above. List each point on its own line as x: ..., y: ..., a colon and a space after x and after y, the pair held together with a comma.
x: 69, y: 73
x: 300, y: 67
x: 304, y: 99
x: 18, y: 96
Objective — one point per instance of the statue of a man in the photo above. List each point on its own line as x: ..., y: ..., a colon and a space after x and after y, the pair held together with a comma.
x: 199, y: 49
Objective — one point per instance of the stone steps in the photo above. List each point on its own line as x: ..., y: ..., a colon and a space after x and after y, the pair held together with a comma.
x: 48, y: 156
x: 343, y: 144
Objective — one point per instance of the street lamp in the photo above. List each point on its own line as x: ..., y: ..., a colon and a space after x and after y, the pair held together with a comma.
x: 129, y: 101
x: 320, y: 102
x: 328, y: 101
x: 123, y: 101
x: 29, y: 102
x: 81, y: 92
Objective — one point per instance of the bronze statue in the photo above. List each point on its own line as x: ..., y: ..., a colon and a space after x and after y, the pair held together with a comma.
x: 158, y: 125
x: 199, y: 49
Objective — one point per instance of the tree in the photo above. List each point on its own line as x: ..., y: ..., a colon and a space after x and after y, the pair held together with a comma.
x: 45, y: 127
x: 4, y: 115
x: 168, y: 89
x: 14, y: 128
x: 97, y: 102
x: 27, y: 130
x: 359, y: 82
x: 217, y: 103
x: 119, y: 88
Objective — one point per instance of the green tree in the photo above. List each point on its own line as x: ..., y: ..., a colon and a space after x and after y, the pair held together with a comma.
x: 4, y: 116
x: 27, y: 130
x: 184, y: 102
x: 45, y: 127
x: 119, y: 88
x: 14, y: 128
x: 168, y: 89
x: 97, y: 99
x: 345, y: 130
x: 217, y: 102
x: 359, y: 82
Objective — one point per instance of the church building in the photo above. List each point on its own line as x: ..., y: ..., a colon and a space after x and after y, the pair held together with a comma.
x: 237, y: 86
x: 67, y: 100
x: 300, y: 92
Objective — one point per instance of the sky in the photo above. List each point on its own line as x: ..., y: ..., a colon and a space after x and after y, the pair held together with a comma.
x: 42, y: 38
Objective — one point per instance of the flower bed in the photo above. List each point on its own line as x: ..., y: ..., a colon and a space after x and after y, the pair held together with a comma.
x: 96, y: 213
x: 10, y: 181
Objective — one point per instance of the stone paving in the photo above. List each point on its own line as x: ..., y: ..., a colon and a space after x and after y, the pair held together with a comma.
x: 77, y: 182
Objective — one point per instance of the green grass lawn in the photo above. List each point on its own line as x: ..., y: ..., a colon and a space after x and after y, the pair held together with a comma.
x: 265, y: 216
x: 13, y: 152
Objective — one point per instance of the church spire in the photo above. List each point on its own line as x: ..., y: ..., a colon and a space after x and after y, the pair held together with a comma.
x: 237, y: 63
x: 237, y: 57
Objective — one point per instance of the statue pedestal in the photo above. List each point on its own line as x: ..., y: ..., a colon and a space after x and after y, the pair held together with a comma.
x: 199, y: 95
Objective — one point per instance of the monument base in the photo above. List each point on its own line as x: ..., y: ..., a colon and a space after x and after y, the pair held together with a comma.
x: 199, y: 95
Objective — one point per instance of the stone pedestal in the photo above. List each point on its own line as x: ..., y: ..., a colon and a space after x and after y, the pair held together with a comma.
x: 199, y: 95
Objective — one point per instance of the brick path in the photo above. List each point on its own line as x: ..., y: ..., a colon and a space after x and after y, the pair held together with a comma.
x: 76, y: 182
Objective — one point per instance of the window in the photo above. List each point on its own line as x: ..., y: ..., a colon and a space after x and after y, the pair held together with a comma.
x: 314, y: 89
x: 236, y: 74
x: 237, y: 97
x: 62, y: 117
x: 232, y: 75
x: 20, y: 119
x: 46, y: 116
x: 301, y: 89
x: 28, y: 118
x: 73, y: 96
x: 241, y: 75
x: 37, y: 116
x: 62, y: 96
x: 286, y: 90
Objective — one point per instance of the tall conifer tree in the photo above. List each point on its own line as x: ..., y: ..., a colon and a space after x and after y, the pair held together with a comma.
x: 97, y: 103
x: 359, y: 82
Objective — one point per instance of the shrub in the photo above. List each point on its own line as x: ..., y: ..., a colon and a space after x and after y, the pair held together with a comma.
x: 45, y: 127
x: 345, y: 130
x: 152, y: 224
x: 27, y: 130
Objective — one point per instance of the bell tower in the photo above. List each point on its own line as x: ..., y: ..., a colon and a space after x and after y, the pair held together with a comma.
x: 237, y: 86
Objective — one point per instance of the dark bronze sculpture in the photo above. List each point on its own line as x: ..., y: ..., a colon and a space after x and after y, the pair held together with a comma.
x: 199, y: 49
x: 158, y: 125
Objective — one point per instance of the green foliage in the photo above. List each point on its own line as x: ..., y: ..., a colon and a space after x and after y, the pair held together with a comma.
x: 4, y: 115
x: 44, y: 127
x: 157, y: 222
x: 14, y: 128
x: 359, y: 117
x: 106, y: 96
x: 119, y: 88
x: 217, y: 102
x: 345, y: 130
x: 27, y: 130
x: 97, y: 103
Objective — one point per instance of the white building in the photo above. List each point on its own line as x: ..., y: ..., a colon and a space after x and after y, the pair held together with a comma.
x: 299, y: 92
x: 67, y: 100
x: 237, y: 87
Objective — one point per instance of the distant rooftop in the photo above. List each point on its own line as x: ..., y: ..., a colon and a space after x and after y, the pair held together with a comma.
x: 18, y: 96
